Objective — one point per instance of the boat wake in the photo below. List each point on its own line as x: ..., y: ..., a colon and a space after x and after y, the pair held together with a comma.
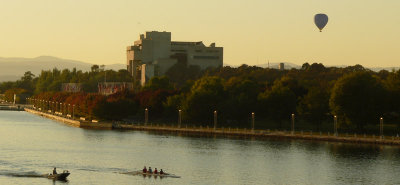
x: 21, y: 174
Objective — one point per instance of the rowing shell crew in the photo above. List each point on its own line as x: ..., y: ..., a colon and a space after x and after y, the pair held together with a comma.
x: 151, y: 171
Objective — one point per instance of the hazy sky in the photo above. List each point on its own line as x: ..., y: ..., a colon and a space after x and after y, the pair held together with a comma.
x: 365, y: 32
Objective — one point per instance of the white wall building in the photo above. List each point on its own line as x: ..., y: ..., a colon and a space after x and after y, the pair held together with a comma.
x: 154, y: 53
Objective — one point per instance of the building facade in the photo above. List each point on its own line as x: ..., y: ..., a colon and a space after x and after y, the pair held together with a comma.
x: 154, y: 54
x: 281, y: 66
x: 107, y: 88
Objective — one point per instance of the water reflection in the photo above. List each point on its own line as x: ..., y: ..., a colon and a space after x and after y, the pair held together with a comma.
x: 33, y: 144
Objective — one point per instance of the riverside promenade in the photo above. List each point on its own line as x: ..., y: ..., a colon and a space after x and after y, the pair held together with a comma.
x: 228, y: 132
x: 71, y: 122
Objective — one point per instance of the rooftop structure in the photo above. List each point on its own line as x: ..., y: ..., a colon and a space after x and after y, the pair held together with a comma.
x: 154, y: 54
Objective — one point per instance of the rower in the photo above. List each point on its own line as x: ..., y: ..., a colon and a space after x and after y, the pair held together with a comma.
x: 54, y: 171
x: 144, y: 169
x: 161, y: 172
x: 155, y: 171
x: 150, y: 170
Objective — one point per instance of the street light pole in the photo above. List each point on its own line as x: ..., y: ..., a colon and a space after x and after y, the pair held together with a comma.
x: 215, y: 120
x: 179, y: 118
x: 292, y: 123
x: 335, y: 125
x: 252, y: 121
x: 381, y: 127
x: 146, y: 116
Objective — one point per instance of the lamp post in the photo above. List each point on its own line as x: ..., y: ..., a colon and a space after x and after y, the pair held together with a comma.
x: 252, y: 121
x: 215, y: 120
x: 381, y: 127
x: 292, y: 124
x: 146, y: 116
x: 179, y: 118
x: 335, y: 125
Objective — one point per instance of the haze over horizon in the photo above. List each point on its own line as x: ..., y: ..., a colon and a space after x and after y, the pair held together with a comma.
x: 358, y: 32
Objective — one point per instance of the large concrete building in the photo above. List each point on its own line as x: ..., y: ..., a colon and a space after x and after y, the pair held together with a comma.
x: 154, y: 54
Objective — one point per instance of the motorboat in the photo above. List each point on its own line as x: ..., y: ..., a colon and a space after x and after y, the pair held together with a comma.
x: 59, y: 176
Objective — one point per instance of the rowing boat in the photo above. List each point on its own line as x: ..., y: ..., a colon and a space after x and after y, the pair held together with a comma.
x: 139, y: 172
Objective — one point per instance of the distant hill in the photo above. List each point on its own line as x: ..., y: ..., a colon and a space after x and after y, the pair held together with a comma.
x: 272, y: 65
x: 276, y: 65
x: 383, y: 68
x: 291, y: 65
x: 12, y: 69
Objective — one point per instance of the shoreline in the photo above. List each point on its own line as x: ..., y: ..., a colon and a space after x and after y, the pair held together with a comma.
x: 223, y: 131
x: 71, y: 122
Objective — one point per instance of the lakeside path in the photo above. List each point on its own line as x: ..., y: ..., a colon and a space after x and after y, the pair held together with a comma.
x: 361, y: 139
x: 71, y: 122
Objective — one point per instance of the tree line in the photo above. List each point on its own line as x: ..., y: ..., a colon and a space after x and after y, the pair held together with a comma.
x: 314, y: 93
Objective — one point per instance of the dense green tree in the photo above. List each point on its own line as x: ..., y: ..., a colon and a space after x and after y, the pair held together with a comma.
x: 6, y: 85
x: 392, y: 84
x: 278, y: 103
x: 21, y: 95
x: 95, y: 68
x: 358, y: 98
x: 241, y: 99
x: 206, y: 95
x: 156, y: 83
x: 117, y: 106
x: 314, y: 106
x: 172, y: 105
x: 293, y: 84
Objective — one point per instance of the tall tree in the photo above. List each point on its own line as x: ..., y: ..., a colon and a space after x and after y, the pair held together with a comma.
x: 358, y: 98
x: 206, y: 95
x: 314, y: 106
x: 279, y: 102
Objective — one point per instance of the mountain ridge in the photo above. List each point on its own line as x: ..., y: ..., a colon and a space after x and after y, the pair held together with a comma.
x: 12, y: 68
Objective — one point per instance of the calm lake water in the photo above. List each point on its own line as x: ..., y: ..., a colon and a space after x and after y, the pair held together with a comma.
x: 31, y: 146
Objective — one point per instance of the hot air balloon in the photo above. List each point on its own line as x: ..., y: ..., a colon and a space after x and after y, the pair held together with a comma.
x: 321, y: 20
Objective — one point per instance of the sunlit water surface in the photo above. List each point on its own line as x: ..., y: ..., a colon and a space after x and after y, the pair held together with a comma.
x: 31, y: 146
